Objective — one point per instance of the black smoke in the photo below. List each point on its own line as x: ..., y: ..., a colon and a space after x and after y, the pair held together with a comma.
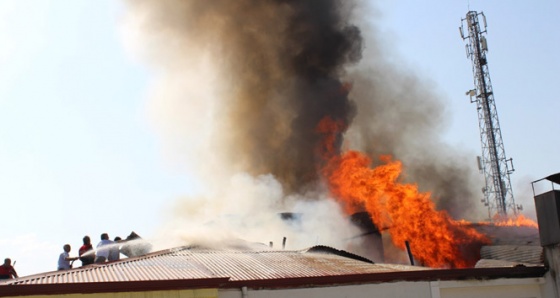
x: 286, y: 64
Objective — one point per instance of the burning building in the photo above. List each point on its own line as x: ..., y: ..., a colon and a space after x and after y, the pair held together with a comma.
x: 262, y: 272
x: 296, y: 101
x: 286, y: 111
x: 257, y: 270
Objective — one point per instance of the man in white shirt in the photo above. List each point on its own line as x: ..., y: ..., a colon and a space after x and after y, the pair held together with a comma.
x: 64, y: 259
x: 103, y: 249
x: 114, y: 251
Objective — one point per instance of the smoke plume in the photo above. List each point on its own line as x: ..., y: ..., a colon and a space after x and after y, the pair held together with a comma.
x: 241, y: 86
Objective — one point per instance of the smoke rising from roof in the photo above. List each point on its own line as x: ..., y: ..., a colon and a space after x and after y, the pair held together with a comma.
x: 279, y: 65
x: 241, y: 86
x: 247, y: 208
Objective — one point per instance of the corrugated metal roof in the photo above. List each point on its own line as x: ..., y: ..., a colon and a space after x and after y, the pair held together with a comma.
x: 200, y: 263
x: 280, y: 264
x: 199, y: 268
x: 509, y: 235
x: 488, y: 263
x: 513, y: 253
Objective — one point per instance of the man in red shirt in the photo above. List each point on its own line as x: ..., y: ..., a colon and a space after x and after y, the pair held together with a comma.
x: 7, y: 271
x: 86, y: 252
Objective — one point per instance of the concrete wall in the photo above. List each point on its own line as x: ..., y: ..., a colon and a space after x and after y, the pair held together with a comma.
x: 385, y: 290
x: 498, y: 288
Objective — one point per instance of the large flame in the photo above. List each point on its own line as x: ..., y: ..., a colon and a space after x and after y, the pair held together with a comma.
x: 436, y: 240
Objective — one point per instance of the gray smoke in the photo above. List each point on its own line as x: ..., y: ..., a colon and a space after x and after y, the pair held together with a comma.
x: 274, y: 69
x: 403, y: 115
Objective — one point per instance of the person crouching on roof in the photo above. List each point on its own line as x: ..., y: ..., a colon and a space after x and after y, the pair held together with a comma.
x: 7, y: 271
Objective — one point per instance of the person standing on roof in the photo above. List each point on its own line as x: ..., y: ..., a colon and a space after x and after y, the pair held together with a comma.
x: 7, y: 271
x: 103, y: 249
x: 86, y: 252
x: 64, y: 259
x: 114, y: 251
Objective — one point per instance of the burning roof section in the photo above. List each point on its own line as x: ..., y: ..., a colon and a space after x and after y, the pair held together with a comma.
x: 511, y: 246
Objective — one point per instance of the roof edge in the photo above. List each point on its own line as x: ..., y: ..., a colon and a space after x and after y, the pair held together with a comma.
x: 225, y: 282
x: 110, y: 287
x: 419, y: 275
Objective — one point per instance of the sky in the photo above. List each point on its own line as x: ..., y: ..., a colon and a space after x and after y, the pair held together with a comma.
x: 79, y: 154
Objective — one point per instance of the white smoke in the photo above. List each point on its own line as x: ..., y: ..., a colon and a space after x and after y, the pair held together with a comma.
x: 249, y: 208
x: 184, y: 104
x: 230, y: 94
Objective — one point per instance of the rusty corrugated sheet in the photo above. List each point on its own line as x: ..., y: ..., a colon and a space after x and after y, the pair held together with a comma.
x: 158, y: 266
x: 271, y: 265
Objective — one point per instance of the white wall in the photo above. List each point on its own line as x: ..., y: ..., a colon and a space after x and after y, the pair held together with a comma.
x: 497, y: 288
x: 385, y: 290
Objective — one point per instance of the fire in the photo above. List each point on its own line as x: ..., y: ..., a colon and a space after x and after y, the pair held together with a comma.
x: 436, y: 240
x: 517, y: 221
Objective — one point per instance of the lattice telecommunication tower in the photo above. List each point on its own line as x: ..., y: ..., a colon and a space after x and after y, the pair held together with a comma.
x: 498, y: 195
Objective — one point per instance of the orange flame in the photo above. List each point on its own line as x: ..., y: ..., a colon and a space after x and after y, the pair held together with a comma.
x: 436, y: 240
x: 517, y: 221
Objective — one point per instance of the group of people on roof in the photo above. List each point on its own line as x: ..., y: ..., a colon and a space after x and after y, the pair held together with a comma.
x: 106, y: 250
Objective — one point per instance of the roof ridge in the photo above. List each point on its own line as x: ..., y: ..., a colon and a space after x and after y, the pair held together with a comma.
x: 338, y: 252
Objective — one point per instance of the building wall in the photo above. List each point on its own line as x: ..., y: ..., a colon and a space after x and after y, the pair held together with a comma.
x: 385, y: 290
x: 498, y: 288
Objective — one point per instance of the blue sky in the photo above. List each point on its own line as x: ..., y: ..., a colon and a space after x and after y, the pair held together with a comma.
x: 79, y: 156
x: 523, y: 66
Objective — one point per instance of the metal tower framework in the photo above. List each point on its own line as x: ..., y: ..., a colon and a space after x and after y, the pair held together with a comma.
x: 498, y: 195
